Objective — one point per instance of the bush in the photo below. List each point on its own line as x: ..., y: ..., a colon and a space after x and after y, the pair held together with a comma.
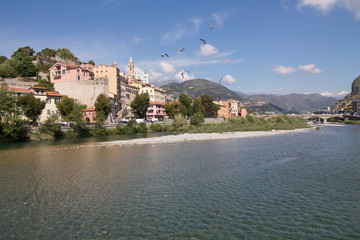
x: 180, y: 123
x: 98, y: 130
x: 141, y: 128
x: 156, y: 127
x: 197, y: 119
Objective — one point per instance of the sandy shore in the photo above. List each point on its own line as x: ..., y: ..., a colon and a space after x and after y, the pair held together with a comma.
x: 187, y: 137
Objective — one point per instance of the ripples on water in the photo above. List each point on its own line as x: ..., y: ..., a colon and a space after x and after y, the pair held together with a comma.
x: 292, y: 186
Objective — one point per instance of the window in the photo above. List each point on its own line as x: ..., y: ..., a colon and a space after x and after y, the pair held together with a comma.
x: 48, y: 112
x: 84, y: 74
x: 63, y: 71
x: 48, y: 100
x: 78, y: 77
x: 78, y: 70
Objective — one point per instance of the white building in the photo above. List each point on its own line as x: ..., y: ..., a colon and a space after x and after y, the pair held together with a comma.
x: 145, y: 77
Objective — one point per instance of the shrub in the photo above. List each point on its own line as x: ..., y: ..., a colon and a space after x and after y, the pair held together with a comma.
x: 197, y: 119
x: 156, y: 127
x: 141, y: 128
x: 180, y: 123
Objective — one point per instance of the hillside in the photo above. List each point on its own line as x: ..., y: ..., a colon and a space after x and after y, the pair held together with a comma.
x: 297, y: 103
x: 355, y: 94
x: 197, y: 87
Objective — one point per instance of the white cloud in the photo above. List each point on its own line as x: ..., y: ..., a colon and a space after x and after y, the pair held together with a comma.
x: 136, y: 39
x: 353, y: 5
x: 184, y: 76
x: 167, y: 67
x: 228, y: 79
x: 207, y: 50
x: 338, y: 95
x: 310, y: 68
x: 197, y: 22
x: 279, y: 69
x: 220, y: 18
x: 328, y: 5
x: 173, y: 35
x: 323, y: 5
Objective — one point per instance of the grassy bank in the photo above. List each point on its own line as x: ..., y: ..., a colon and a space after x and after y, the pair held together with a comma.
x: 53, y: 130
x: 251, y: 123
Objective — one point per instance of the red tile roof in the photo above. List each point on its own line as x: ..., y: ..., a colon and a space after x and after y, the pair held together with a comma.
x: 157, y: 103
x: 53, y: 94
x: 19, y: 90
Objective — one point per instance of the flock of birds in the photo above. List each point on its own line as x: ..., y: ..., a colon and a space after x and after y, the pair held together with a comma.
x: 183, y: 49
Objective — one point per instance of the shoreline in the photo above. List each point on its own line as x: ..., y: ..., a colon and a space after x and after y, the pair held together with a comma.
x: 194, y: 137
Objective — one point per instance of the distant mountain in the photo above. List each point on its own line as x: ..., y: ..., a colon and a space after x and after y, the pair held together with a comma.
x: 355, y: 94
x: 197, y: 87
x: 297, y: 103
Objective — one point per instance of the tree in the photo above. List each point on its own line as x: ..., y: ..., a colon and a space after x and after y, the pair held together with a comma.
x: 7, y: 103
x: 65, y: 106
x: 7, y: 70
x: 31, y: 106
x: 24, y: 51
x: 210, y: 108
x: 47, y: 52
x: 185, y: 100
x: 172, y: 109
x: 197, y: 106
x: 91, y: 62
x: 45, y: 83
x: 102, y: 108
x: 76, y: 114
x: 65, y: 54
x: 140, y: 104
x: 3, y: 59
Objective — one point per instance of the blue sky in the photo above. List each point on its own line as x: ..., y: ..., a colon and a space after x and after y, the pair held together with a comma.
x: 257, y: 46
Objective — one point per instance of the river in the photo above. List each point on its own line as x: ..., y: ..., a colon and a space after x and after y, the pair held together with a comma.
x: 303, y: 185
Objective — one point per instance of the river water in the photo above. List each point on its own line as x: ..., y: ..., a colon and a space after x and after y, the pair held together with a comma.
x: 303, y: 185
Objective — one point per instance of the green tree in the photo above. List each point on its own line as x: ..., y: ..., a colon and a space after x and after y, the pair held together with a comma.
x: 3, y: 59
x: 24, y: 51
x: 31, y: 106
x: 45, y: 83
x: 102, y: 108
x: 197, y: 106
x: 172, y: 109
x: 51, y: 127
x: 91, y: 62
x: 76, y: 114
x: 210, y: 108
x: 47, y: 52
x: 22, y: 62
x: 7, y: 70
x: 185, y: 100
x: 7, y: 103
x: 65, y: 106
x: 66, y: 54
x: 140, y: 104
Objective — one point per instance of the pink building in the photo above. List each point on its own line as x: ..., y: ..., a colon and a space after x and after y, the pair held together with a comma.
x: 89, y: 115
x: 156, y: 110
x: 62, y: 72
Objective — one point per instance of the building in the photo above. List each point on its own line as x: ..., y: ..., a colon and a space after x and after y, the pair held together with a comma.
x: 51, y: 98
x: 156, y: 111
x: 356, y: 106
x: 230, y: 108
x: 156, y: 94
x: 145, y: 77
x: 131, y: 69
x: 131, y: 92
x: 62, y: 72
x: 89, y: 115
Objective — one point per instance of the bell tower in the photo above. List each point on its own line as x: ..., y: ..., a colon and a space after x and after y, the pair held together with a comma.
x: 131, y: 69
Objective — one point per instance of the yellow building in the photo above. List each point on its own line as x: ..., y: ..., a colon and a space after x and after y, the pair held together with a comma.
x: 112, y: 73
x: 156, y: 94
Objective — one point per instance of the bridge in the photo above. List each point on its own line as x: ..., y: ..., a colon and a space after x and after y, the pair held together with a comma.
x: 319, y: 117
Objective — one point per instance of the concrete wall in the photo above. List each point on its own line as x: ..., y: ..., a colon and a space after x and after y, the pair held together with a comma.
x: 85, y: 91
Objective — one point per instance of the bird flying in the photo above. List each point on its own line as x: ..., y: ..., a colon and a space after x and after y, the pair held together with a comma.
x: 204, y: 41
x: 182, y: 73
x: 182, y: 50
x: 165, y: 54
x: 211, y: 27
